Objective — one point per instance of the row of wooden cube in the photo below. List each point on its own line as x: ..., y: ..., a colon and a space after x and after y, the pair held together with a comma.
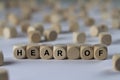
x: 104, y: 37
x: 60, y: 51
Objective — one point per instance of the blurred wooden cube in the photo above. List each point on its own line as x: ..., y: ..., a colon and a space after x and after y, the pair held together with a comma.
x: 13, y: 19
x: 96, y: 30
x: 116, y: 62
x: 34, y: 36
x: 79, y: 37
x: 2, y: 26
x: 1, y: 58
x: 89, y: 21
x: 105, y: 38
x: 24, y: 26
x: 9, y: 32
x: 39, y: 27
x: 4, y: 74
x: 116, y: 23
x: 57, y: 27
x: 50, y: 35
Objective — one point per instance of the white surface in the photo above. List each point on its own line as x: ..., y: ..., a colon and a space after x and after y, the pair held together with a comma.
x: 61, y: 69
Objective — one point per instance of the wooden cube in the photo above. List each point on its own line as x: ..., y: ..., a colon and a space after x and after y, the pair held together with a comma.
x: 2, y: 6
x: 83, y: 14
x: 34, y: 36
x: 50, y: 35
x: 1, y: 31
x: 9, y: 32
x: 30, y: 29
x: 13, y: 19
x: 47, y: 18
x: 55, y: 18
x: 73, y: 51
x: 116, y: 23
x: 105, y: 15
x: 57, y: 27
x: 79, y: 37
x: 1, y: 58
x: 74, y: 26
x: 26, y: 15
x: 116, y: 62
x: 103, y: 28
x: 105, y: 38
x: 89, y: 21
x: 32, y: 51
x: 100, y: 51
x: 65, y: 14
x: 96, y: 30
x: 86, y: 52
x: 4, y: 74
x: 2, y: 26
x: 60, y: 52
x: 115, y: 14
x: 39, y: 27
x: 46, y: 51
x: 36, y: 27
x: 19, y: 51
x: 72, y: 19
x: 24, y: 26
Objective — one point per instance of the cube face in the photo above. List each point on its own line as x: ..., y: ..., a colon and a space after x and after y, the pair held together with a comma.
x: 46, y: 52
x: 105, y: 38
x: 32, y: 52
x: 50, y: 35
x: 1, y: 58
x: 20, y: 53
x: 116, y: 62
x: 59, y: 52
x: 86, y: 52
x: 3, y: 74
x: 100, y: 52
x: 34, y: 36
x: 79, y: 37
x: 73, y: 52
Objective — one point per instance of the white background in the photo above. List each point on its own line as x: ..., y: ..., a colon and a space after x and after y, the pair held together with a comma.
x: 61, y: 69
